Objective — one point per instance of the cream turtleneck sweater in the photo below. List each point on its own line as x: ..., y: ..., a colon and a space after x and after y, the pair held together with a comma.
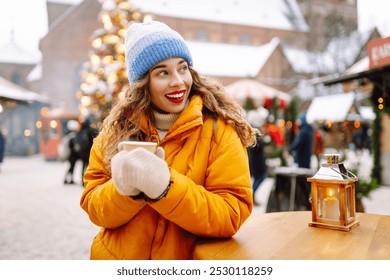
x: 163, y: 122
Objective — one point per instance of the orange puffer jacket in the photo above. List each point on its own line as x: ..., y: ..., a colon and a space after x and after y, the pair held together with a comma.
x: 210, y: 194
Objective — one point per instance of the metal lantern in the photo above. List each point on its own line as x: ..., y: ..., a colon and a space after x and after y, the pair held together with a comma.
x: 333, y: 196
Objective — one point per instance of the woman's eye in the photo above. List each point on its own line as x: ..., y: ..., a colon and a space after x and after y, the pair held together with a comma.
x: 184, y: 68
x: 162, y: 73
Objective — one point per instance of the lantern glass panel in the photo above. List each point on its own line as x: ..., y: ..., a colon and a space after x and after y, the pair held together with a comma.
x: 348, y: 198
x: 329, y: 203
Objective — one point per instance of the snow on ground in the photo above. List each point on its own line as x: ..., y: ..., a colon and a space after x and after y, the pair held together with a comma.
x: 40, y: 218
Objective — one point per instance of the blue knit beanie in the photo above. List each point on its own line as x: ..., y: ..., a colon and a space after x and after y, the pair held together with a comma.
x: 147, y: 44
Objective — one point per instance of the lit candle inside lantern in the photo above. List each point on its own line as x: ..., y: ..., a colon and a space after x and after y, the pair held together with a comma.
x: 330, y: 207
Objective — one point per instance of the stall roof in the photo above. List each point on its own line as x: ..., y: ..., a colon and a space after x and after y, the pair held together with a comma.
x: 334, y: 108
x: 369, y: 74
x: 11, y: 91
x: 244, y: 61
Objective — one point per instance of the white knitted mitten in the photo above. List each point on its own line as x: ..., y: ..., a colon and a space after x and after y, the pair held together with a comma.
x: 120, y: 175
x: 140, y: 171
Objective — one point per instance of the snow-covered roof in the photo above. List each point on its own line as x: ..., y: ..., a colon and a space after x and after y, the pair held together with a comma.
x: 276, y: 14
x: 257, y: 92
x: 35, y: 74
x: 367, y: 113
x: 216, y: 59
x: 360, y: 66
x: 66, y: 2
x: 12, y: 91
x: 334, y: 108
x: 13, y: 53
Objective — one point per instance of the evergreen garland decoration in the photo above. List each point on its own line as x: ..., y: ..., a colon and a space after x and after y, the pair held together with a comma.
x: 375, y: 146
x: 379, y: 102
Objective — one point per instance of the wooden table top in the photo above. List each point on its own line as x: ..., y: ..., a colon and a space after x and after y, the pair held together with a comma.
x: 287, y: 236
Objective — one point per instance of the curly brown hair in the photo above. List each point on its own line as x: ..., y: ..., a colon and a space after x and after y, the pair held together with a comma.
x: 123, y: 121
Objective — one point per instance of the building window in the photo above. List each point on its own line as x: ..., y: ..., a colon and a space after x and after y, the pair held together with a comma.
x: 245, y: 38
x: 202, y: 34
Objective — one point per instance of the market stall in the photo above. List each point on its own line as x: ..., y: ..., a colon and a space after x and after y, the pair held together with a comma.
x: 376, y: 74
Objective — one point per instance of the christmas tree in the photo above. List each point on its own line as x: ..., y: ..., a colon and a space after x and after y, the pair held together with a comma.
x: 104, y: 77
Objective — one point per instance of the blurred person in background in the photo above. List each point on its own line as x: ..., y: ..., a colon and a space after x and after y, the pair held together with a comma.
x: 257, y: 165
x: 302, y: 146
x: 361, y: 138
x: 67, y: 150
x: 256, y: 154
x: 2, y: 147
x: 83, y: 143
x: 318, y: 144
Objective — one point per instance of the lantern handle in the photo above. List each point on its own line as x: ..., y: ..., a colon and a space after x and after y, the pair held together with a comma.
x: 353, y: 175
x: 346, y: 175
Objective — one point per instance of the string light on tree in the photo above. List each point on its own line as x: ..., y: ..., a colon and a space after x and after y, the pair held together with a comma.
x: 104, y: 77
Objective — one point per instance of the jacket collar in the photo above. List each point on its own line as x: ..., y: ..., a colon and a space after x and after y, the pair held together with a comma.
x: 190, y: 119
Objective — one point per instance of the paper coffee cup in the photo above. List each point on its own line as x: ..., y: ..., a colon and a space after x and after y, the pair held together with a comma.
x: 131, y: 145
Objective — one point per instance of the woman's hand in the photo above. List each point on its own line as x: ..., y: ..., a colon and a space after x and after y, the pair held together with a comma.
x: 139, y: 171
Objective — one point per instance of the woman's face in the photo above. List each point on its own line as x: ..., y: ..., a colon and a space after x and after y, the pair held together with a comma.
x: 170, y: 84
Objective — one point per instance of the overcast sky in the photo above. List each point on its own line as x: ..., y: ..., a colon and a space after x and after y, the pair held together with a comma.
x: 29, y: 21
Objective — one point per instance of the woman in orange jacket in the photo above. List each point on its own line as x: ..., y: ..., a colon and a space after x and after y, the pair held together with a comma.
x: 197, y: 183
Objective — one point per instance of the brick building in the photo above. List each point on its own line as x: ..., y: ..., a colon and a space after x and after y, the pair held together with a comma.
x: 65, y: 48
